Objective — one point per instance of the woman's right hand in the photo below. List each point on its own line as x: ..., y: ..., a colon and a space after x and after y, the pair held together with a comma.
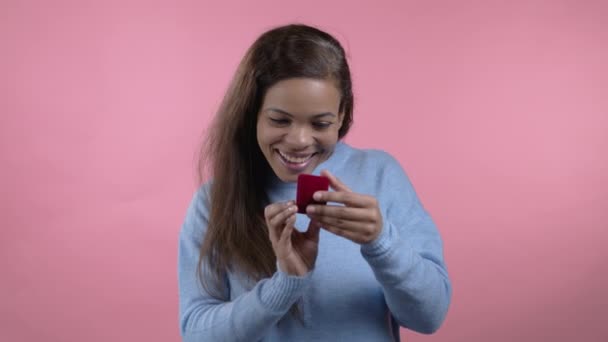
x: 296, y: 252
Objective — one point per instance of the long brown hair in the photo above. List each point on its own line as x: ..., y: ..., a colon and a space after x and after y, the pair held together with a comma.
x: 237, y: 236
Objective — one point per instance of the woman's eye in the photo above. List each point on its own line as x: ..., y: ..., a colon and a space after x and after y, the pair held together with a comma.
x: 321, y: 125
x: 279, y: 121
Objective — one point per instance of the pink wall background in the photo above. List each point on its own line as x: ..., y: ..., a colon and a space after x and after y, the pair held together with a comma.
x: 498, y: 110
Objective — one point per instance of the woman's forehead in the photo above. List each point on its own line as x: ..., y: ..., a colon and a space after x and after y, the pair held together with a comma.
x: 303, y: 96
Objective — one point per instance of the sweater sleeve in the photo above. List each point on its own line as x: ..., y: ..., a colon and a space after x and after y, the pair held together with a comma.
x: 250, y: 316
x: 407, y: 257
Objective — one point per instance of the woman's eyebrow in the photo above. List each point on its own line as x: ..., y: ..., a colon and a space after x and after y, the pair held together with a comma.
x: 288, y: 114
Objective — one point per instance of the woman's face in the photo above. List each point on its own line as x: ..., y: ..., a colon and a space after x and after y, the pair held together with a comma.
x: 298, y: 125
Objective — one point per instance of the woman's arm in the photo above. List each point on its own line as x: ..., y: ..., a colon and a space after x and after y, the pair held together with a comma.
x: 398, y: 239
x: 246, y: 318
x: 407, y: 257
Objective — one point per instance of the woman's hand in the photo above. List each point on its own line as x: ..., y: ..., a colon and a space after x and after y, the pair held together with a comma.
x: 359, y: 220
x: 296, y: 252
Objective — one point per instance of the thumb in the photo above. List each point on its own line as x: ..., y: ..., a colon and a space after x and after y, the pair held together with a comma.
x: 312, y: 233
x: 335, y: 183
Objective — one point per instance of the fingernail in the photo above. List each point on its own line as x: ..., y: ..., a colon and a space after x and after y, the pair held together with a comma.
x: 310, y: 209
x: 316, y: 196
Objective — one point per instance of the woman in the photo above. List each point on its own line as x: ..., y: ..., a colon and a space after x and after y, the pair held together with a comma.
x: 250, y: 267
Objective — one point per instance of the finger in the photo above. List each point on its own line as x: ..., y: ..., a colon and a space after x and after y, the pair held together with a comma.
x: 340, y: 212
x: 350, y: 199
x: 343, y: 233
x: 352, y: 226
x: 276, y: 223
x: 279, y: 219
x: 273, y: 234
x: 286, y: 233
x: 312, y: 233
x: 334, y: 182
x: 277, y: 226
x: 273, y: 209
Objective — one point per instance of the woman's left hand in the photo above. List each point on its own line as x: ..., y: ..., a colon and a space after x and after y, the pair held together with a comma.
x: 359, y: 220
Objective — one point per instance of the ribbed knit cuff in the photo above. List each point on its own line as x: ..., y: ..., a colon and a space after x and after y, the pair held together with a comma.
x: 381, y: 244
x: 282, y: 290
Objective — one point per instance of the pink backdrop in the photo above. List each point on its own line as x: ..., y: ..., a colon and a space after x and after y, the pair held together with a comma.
x: 498, y: 111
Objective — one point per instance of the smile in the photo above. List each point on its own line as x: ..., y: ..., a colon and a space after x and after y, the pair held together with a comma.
x: 295, y: 162
x: 295, y: 159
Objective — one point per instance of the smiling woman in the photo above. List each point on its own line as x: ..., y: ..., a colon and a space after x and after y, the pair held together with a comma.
x: 298, y: 125
x: 285, y: 113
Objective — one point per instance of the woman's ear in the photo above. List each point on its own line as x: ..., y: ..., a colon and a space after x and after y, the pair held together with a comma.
x: 340, y: 119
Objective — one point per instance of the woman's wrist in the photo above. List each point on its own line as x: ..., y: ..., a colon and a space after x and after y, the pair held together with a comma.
x: 292, y: 270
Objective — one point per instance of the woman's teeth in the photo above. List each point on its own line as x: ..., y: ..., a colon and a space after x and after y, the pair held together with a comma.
x: 295, y: 160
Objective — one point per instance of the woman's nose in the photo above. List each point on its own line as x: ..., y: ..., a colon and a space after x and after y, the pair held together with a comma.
x: 299, y: 137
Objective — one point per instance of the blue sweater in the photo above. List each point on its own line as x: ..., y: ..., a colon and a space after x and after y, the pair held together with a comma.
x: 354, y: 293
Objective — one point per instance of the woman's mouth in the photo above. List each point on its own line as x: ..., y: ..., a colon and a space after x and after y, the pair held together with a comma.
x: 295, y: 162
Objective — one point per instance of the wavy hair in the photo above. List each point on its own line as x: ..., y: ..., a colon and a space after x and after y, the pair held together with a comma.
x: 237, y: 235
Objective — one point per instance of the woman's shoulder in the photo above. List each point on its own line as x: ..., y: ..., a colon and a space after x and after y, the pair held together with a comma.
x: 369, y: 157
x: 197, y: 214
